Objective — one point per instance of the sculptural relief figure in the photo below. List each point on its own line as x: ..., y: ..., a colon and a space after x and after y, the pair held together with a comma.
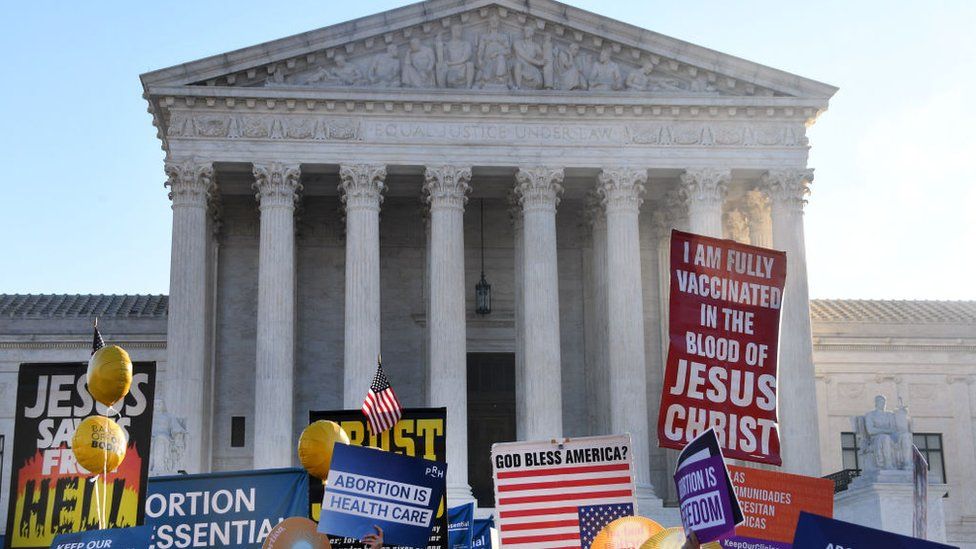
x: 605, y: 74
x: 885, y: 437
x: 494, y: 50
x: 455, y: 61
x: 168, y: 441
x: 531, y: 63
x: 640, y: 79
x: 385, y: 69
x: 569, y: 69
x: 737, y: 226
x: 418, y: 66
x: 343, y: 73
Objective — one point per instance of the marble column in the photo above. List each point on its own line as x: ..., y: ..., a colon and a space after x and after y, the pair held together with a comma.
x: 622, y: 190
x: 361, y: 189
x: 596, y: 334
x: 796, y: 385
x: 539, y: 189
x: 515, y: 214
x: 760, y: 223
x: 446, y: 188
x: 191, y: 184
x: 704, y: 192
x: 277, y: 189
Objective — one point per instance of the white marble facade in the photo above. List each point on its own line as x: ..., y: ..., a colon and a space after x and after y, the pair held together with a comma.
x: 320, y: 187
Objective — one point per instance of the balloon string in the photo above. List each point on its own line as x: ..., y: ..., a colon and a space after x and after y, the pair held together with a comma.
x: 98, y: 508
x: 105, y: 491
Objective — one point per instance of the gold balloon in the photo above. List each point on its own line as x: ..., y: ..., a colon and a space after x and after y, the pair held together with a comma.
x: 673, y: 538
x: 315, y: 446
x: 99, y: 444
x: 626, y: 532
x: 109, y: 374
x: 296, y: 532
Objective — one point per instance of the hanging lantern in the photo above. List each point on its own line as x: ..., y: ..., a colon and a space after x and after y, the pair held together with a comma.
x: 482, y: 290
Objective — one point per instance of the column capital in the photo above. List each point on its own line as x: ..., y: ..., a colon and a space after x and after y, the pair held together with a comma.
x: 361, y: 186
x: 704, y: 184
x: 276, y: 184
x: 756, y: 203
x: 539, y: 187
x: 446, y: 186
x: 622, y: 188
x: 670, y: 211
x: 737, y: 226
x: 190, y: 181
x: 514, y: 209
x: 789, y: 187
x: 593, y: 211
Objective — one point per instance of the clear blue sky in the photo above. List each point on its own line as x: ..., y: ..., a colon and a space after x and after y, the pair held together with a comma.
x: 892, y: 214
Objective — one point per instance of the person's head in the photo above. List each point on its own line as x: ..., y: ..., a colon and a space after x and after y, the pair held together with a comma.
x: 574, y: 48
x: 392, y: 50
x: 414, y: 44
x: 879, y: 402
x: 456, y: 32
x: 648, y: 67
x: 604, y: 55
x: 528, y: 32
x: 340, y: 60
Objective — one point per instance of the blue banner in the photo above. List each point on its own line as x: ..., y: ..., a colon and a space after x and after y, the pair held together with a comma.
x: 117, y: 538
x: 460, y: 526
x: 481, y: 535
x: 234, y: 510
x: 369, y: 487
x: 816, y: 532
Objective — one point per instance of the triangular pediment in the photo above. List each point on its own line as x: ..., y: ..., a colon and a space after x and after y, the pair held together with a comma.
x: 519, y: 46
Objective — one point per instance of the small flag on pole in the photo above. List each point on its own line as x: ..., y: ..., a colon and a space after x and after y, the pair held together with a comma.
x: 97, y: 341
x: 381, y: 407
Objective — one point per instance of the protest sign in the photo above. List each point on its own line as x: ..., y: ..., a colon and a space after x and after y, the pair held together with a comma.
x: 421, y: 432
x: 460, y: 526
x: 816, y: 532
x: 771, y: 503
x: 481, y: 533
x: 49, y: 493
x: 234, y: 509
x: 724, y: 335
x: 547, y: 491
x: 708, y: 503
x: 920, y: 494
x: 369, y: 487
x: 136, y: 537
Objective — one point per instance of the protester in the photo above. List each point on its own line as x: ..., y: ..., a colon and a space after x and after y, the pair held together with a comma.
x: 374, y: 541
x: 691, y: 542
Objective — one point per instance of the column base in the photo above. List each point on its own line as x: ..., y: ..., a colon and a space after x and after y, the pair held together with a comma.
x: 459, y: 494
x: 889, y: 506
x: 652, y: 507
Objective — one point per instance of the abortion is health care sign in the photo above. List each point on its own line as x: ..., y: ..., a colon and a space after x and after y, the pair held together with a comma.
x: 708, y: 503
x: 369, y: 487
x: 724, y: 335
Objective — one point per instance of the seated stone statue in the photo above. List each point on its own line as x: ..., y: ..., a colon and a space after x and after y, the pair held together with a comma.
x: 884, y: 437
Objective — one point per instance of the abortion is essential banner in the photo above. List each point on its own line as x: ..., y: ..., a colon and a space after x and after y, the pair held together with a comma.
x: 368, y: 487
x: 230, y: 510
x: 49, y: 492
x: 771, y: 503
x: 725, y: 306
x: 421, y: 432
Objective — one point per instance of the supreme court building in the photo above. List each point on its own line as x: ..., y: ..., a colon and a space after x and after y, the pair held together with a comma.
x: 338, y: 194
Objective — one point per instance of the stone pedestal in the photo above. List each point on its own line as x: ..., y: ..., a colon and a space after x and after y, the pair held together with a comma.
x: 886, y: 504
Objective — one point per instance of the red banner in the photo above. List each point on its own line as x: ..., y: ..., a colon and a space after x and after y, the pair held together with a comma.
x: 724, y: 335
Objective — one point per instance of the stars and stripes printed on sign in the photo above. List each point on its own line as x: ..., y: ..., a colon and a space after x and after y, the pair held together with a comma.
x: 561, y: 505
x: 381, y: 407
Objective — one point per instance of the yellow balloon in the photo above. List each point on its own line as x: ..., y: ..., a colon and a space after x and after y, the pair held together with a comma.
x: 626, y: 532
x: 109, y: 374
x: 315, y: 446
x: 99, y: 444
x: 673, y: 538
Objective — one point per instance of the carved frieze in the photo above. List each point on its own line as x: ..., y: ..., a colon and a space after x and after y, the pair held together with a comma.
x: 491, y: 49
x: 323, y: 127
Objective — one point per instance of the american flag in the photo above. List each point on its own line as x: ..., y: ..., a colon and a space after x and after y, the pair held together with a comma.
x: 97, y: 341
x: 381, y: 407
x: 561, y: 506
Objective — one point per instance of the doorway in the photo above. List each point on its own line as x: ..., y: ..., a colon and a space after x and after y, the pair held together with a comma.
x: 491, y: 416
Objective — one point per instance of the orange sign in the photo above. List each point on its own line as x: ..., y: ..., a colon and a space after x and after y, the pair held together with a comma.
x: 771, y: 502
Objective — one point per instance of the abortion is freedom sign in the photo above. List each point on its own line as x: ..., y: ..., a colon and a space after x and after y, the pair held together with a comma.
x: 369, y: 487
x: 708, y: 504
x: 49, y: 492
x: 724, y: 334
